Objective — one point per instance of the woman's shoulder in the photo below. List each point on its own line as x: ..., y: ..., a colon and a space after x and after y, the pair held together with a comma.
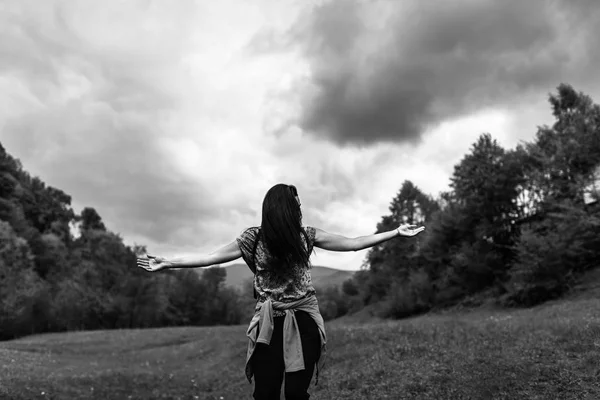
x: 249, y: 233
x: 310, y: 231
x: 252, y: 229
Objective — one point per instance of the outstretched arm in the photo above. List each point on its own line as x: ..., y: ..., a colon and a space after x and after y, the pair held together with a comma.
x: 225, y: 254
x: 333, y: 242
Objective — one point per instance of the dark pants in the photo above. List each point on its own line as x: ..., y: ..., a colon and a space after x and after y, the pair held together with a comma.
x: 267, y: 362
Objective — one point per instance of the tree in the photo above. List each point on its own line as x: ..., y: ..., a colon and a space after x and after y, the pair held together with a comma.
x: 213, y: 279
x: 20, y: 287
x: 564, y: 158
x: 485, y: 187
x: 349, y: 287
x: 398, y: 257
x: 560, y: 239
x: 486, y: 183
x: 187, y: 298
x: 90, y: 219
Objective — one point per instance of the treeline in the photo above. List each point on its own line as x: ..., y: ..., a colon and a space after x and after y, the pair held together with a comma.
x: 53, y: 280
x: 516, y: 228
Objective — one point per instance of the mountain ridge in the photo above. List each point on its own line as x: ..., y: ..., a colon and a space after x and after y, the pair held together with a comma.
x: 322, y: 277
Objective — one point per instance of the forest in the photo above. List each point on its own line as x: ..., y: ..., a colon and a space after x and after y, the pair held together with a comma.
x: 516, y: 228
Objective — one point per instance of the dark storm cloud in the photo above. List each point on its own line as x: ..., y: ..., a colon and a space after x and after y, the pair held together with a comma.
x: 427, y: 61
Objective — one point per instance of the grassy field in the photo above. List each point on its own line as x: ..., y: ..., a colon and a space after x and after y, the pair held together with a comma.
x: 548, y: 352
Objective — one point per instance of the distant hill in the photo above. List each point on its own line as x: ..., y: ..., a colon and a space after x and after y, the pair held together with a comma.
x: 322, y: 277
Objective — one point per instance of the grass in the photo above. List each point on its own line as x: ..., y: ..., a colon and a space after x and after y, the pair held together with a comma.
x: 547, y: 352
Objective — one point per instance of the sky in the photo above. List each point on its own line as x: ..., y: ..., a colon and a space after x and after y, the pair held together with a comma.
x: 173, y: 119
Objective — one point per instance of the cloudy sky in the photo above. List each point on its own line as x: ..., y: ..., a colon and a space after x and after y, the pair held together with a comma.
x: 173, y: 119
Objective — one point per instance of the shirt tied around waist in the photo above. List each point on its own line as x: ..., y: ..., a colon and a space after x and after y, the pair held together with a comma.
x: 262, y: 325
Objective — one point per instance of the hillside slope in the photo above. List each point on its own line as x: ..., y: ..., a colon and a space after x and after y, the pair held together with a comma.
x: 322, y: 277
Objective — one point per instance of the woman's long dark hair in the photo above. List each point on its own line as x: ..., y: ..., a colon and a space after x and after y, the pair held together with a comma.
x: 281, y: 226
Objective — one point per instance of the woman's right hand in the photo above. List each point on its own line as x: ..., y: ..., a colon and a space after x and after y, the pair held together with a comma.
x: 409, y: 230
x: 152, y: 263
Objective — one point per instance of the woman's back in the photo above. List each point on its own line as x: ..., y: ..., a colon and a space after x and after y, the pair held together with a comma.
x: 273, y: 280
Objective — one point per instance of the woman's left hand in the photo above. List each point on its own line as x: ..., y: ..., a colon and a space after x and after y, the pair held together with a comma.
x: 152, y: 263
x: 410, y: 230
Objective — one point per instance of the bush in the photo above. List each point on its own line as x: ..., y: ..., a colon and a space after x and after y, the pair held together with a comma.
x: 410, y: 297
x: 353, y: 304
x: 551, y: 253
x: 328, y: 309
x: 349, y: 287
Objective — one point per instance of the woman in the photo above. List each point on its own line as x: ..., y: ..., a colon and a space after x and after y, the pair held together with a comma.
x: 287, y: 333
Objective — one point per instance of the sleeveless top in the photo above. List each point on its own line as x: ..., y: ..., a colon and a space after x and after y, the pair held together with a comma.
x: 289, y: 284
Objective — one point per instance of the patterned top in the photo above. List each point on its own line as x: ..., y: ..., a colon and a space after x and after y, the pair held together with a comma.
x: 286, y: 286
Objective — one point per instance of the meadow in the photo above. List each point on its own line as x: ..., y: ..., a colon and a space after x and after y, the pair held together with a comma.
x: 547, y: 352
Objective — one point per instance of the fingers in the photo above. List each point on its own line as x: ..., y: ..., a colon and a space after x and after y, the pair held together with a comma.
x: 143, y: 263
x: 412, y: 227
x: 413, y: 232
x: 409, y: 226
